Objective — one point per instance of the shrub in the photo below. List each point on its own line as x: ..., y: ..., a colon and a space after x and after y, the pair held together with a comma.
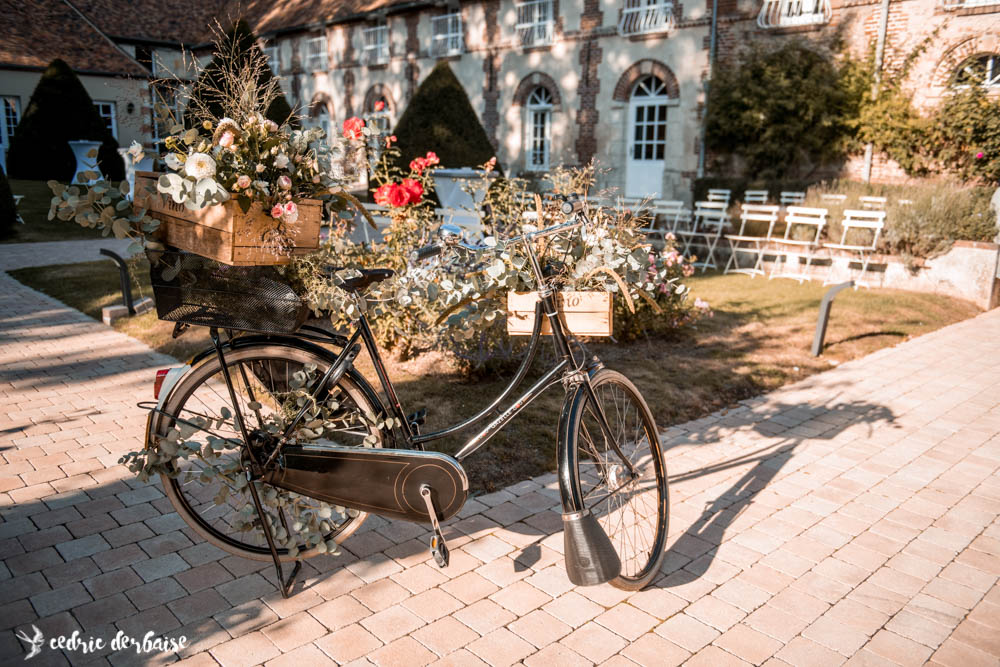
x: 8, y: 211
x: 60, y: 110
x: 966, y: 132
x: 236, y: 51
x: 781, y: 112
x: 938, y: 217
x: 440, y: 118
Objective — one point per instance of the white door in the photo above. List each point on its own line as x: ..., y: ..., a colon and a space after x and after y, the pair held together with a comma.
x: 647, y: 138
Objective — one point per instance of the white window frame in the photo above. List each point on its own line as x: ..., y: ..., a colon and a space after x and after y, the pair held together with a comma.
x: 535, y: 22
x: 447, y: 35
x: 112, y: 115
x: 790, y: 13
x: 314, y: 57
x: 273, y: 54
x: 642, y: 17
x: 950, y: 5
x: 991, y: 79
x: 376, y: 44
x: 6, y: 132
x: 538, y: 140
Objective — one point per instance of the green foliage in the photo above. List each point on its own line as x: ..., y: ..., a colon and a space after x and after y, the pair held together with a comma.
x: 8, y: 211
x: 236, y: 51
x: 440, y: 118
x: 782, y: 112
x: 966, y: 133
x: 60, y: 110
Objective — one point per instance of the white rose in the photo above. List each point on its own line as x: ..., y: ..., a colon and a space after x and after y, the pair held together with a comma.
x: 199, y: 165
x: 281, y: 161
x: 173, y: 161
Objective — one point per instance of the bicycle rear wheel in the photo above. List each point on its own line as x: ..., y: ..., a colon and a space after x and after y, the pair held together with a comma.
x: 633, y: 511
x: 210, y: 495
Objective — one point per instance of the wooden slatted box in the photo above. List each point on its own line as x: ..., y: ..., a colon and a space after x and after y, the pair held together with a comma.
x: 585, y: 313
x: 223, y: 232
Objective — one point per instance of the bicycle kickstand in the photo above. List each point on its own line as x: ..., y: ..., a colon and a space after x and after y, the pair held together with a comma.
x: 284, y: 585
x: 439, y: 548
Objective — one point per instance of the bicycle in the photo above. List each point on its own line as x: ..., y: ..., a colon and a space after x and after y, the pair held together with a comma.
x: 611, y: 470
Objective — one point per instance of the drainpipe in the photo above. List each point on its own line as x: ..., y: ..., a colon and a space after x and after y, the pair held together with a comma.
x: 883, y: 26
x: 711, y: 65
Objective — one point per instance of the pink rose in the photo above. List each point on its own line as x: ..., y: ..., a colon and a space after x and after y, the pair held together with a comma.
x: 379, y: 105
x: 979, y: 156
x: 277, y: 211
x: 271, y: 126
x: 227, y: 139
x: 284, y: 182
x: 243, y: 182
x: 353, y: 128
x: 291, y: 212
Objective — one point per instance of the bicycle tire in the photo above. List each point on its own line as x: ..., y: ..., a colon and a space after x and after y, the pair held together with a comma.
x: 183, y: 499
x: 642, y: 548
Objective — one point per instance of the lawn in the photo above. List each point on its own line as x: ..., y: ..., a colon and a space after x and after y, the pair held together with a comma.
x: 758, y: 339
x: 34, y: 210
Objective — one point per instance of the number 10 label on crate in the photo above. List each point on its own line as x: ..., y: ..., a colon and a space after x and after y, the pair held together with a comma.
x: 584, y: 313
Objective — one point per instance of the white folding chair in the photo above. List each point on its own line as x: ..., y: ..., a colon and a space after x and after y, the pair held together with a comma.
x: 719, y: 195
x: 755, y: 197
x: 792, y: 198
x: 833, y: 198
x: 857, y: 224
x: 872, y: 203
x: 803, y: 229
x: 17, y: 202
x: 710, y: 219
x: 666, y: 216
x: 743, y: 242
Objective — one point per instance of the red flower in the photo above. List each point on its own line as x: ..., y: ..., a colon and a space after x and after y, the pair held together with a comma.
x: 398, y: 196
x: 353, y: 127
x: 382, y: 194
x: 432, y: 158
x: 379, y: 105
x: 414, y: 190
x: 418, y: 165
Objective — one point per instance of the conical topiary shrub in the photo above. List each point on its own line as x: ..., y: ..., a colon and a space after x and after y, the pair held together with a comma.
x: 440, y: 118
x: 240, y: 43
x: 60, y: 110
x: 8, y: 211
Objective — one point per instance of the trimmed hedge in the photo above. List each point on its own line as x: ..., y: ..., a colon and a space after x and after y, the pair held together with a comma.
x: 440, y: 118
x: 60, y: 110
x: 8, y: 211
x: 246, y: 46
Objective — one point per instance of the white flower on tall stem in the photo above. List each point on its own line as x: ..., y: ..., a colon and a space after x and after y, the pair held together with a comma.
x: 173, y: 161
x: 136, y: 152
x: 281, y: 161
x: 200, y: 165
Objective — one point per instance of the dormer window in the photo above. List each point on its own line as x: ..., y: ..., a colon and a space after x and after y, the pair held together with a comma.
x: 790, y: 13
x: 641, y: 17
x: 315, y: 54
x: 376, y: 50
x: 447, y: 35
x: 534, y: 22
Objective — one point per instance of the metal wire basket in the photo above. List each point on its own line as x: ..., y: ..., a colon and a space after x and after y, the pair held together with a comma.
x: 195, y: 290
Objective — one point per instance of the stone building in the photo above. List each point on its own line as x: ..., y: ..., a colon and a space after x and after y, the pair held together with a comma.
x: 553, y: 81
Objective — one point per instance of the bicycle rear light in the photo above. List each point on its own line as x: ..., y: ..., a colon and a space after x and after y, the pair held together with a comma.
x: 161, y: 375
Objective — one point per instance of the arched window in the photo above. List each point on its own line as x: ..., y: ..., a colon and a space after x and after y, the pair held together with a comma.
x: 982, y: 70
x: 649, y: 119
x: 538, y: 134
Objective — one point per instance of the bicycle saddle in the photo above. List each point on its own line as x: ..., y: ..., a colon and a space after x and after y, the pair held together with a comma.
x: 367, y: 277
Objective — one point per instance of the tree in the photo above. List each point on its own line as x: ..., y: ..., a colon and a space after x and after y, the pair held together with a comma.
x: 236, y: 52
x: 8, y: 210
x: 440, y: 118
x: 783, y: 112
x: 60, y: 110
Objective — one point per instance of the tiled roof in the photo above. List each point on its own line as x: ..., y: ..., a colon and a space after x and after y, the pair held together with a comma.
x: 186, y: 22
x: 33, y: 33
x: 265, y: 16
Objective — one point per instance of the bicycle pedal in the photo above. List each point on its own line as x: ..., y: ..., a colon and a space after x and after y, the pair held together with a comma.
x: 438, y: 545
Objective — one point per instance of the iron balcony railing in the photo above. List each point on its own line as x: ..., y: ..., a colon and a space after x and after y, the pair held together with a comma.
x: 534, y: 22
x: 964, y: 4
x: 376, y: 50
x: 645, y: 19
x: 787, y: 13
x: 447, y: 31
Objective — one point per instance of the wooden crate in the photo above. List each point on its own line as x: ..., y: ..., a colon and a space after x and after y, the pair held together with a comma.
x: 223, y: 232
x: 585, y: 313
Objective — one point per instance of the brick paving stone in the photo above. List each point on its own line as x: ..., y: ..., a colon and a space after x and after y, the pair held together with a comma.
x: 249, y: 649
x: 520, y: 598
x: 899, y: 649
x: 445, y: 635
x: 627, y: 621
x: 294, y: 631
x: 484, y: 616
x: 469, y: 587
x: 304, y: 655
x: 348, y: 643
x: 539, y: 628
x: 392, y: 623
x: 741, y: 640
x: 687, y: 632
x: 380, y: 594
x: 556, y: 654
x: 573, y: 609
x: 432, y: 605
x: 500, y: 648
x: 403, y: 651
x: 460, y: 658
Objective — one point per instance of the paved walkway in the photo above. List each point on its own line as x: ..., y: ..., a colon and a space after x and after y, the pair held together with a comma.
x: 851, y: 517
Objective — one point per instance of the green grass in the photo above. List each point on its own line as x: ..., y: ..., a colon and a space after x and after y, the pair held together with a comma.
x: 34, y: 210
x: 757, y: 340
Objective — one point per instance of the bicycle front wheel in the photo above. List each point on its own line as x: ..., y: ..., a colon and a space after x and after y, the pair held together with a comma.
x: 210, y: 493
x: 633, y: 509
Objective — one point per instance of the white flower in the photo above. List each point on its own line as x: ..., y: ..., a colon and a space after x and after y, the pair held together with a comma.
x: 136, y: 152
x: 281, y: 161
x: 199, y: 165
x: 173, y: 161
x: 260, y: 168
